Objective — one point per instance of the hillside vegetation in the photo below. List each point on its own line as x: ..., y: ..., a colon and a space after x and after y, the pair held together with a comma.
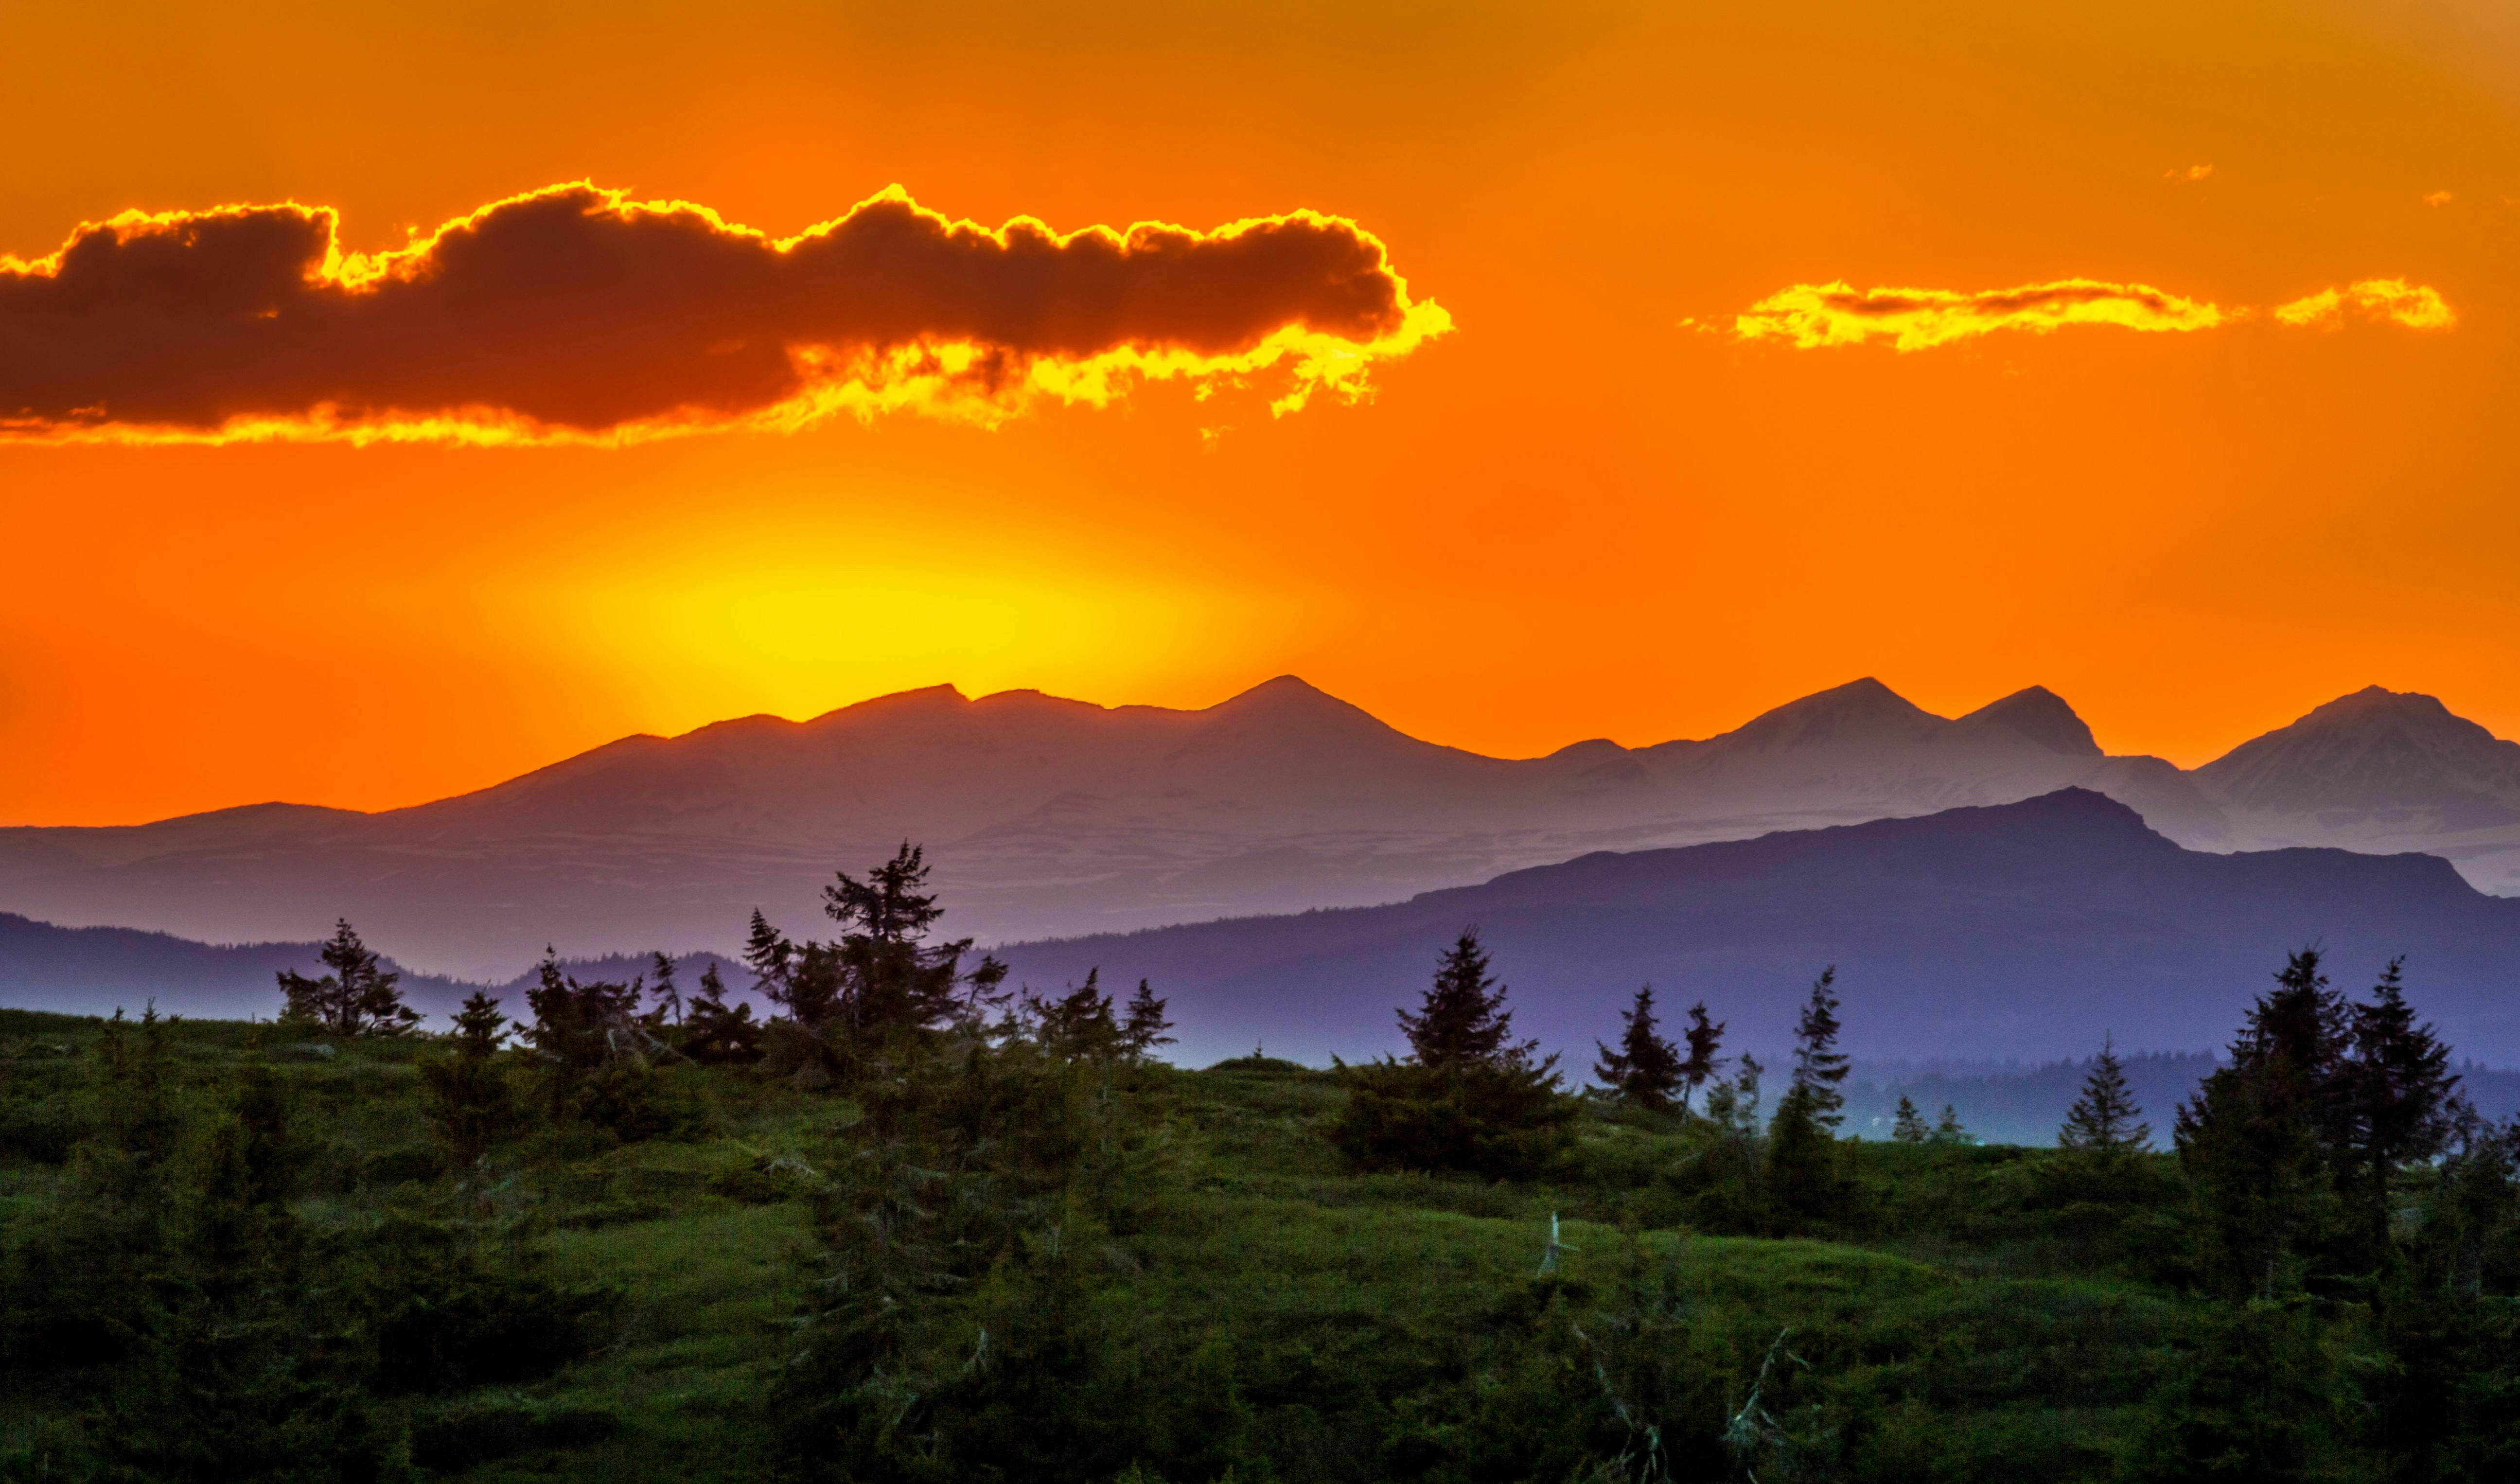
x: 914, y: 1229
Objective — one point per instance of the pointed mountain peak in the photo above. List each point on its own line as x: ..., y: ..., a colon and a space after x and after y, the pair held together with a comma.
x: 2040, y: 716
x: 1853, y: 711
x: 1285, y: 690
x: 1290, y: 698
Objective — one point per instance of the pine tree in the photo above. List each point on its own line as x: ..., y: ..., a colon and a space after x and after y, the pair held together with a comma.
x: 1948, y: 1129
x: 768, y: 954
x: 1142, y: 1030
x: 2106, y: 1120
x: 890, y: 976
x: 359, y: 996
x: 2258, y: 1138
x: 1909, y: 1127
x: 1078, y: 1025
x: 669, y: 1000
x: 983, y: 991
x: 2403, y: 1097
x: 1732, y: 1105
x: 471, y: 1104
x: 1704, y: 1038
x: 1818, y: 1065
x: 139, y: 1112
x: 888, y: 906
x: 716, y: 1032
x: 1462, y: 1020
x: 580, y: 1025
x: 1647, y: 1070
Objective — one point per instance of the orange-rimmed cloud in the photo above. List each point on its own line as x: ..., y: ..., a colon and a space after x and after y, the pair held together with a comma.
x: 577, y: 314
x: 1813, y: 315
x: 2381, y: 298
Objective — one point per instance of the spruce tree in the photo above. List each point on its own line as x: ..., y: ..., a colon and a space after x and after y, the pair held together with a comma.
x: 668, y: 1007
x: 580, y: 1026
x: 1144, y: 1027
x: 1909, y: 1127
x: 1462, y: 1020
x: 2106, y: 1120
x: 2404, y: 1099
x: 1733, y: 1104
x: 1948, y: 1129
x: 1818, y: 1065
x: 1647, y: 1070
x: 716, y: 1032
x: 769, y: 954
x: 1705, y: 1039
x: 2260, y: 1137
x: 1078, y: 1025
x: 359, y: 996
x: 889, y: 976
x: 471, y: 1101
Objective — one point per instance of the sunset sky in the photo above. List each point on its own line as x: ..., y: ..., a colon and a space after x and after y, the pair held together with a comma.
x: 1657, y: 364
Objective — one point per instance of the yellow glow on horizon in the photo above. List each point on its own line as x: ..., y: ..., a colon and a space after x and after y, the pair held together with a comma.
x: 797, y: 635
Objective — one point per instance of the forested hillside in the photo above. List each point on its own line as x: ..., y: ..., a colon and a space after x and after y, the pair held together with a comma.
x: 915, y: 1226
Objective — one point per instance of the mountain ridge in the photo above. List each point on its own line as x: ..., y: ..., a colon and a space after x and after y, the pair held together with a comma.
x: 2029, y: 930
x: 1046, y: 815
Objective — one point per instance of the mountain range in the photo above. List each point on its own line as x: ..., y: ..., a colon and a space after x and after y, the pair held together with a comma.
x: 2025, y: 930
x: 97, y: 970
x: 1051, y: 817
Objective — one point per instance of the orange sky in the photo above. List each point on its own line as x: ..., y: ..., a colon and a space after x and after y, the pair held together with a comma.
x: 1573, y: 515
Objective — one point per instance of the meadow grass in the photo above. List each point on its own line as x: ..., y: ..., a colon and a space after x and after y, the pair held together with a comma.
x: 1353, y: 1304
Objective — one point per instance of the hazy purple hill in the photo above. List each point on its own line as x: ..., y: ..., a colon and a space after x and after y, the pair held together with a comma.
x: 2021, y: 930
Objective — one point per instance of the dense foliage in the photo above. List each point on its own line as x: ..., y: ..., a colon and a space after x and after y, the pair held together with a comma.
x: 946, y: 1230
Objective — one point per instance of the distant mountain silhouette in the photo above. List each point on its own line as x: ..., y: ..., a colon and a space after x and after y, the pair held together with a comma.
x: 95, y: 971
x: 2375, y: 757
x: 2029, y: 930
x: 1046, y: 816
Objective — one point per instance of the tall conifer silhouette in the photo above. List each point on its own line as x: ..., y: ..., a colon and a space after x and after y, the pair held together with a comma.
x: 2106, y: 1120
x: 1462, y: 1020
x: 1645, y: 1070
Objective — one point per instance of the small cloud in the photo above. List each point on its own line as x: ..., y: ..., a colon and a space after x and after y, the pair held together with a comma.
x: 2192, y: 172
x: 1814, y: 315
x: 1810, y: 316
x: 2439, y: 199
x: 2412, y: 305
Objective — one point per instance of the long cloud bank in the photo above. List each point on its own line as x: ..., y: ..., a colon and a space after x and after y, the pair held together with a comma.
x: 575, y: 314
x: 1813, y: 316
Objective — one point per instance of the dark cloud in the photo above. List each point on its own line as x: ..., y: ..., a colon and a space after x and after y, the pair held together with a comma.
x: 575, y: 311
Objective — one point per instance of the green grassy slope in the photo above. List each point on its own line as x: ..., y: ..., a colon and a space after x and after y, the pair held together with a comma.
x: 1377, y: 1326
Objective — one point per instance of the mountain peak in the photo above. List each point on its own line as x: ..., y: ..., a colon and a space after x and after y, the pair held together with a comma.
x: 1281, y: 689
x: 1291, y: 698
x: 2040, y: 716
x: 1856, y: 711
x: 2378, y: 702
x: 924, y: 698
x: 2376, y: 751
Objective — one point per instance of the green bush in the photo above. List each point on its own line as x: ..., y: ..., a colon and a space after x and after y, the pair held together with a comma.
x: 451, y: 1312
x: 1498, y: 1122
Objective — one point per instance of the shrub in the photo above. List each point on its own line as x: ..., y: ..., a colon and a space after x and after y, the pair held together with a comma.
x: 448, y: 1318
x: 1500, y: 1122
